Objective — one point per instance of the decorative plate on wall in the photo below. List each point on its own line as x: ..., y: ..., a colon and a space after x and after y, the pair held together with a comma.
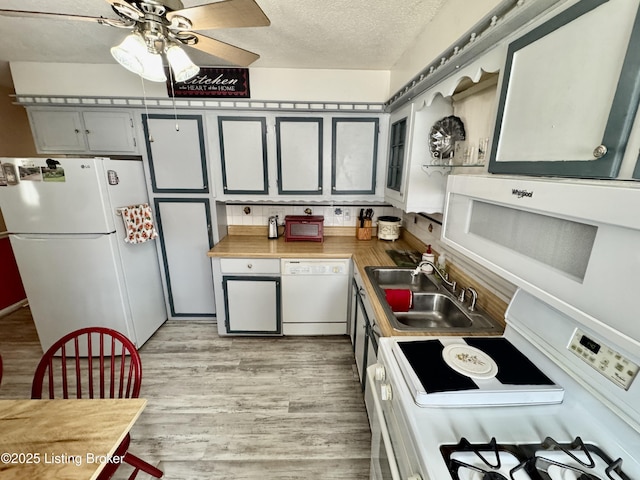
x: 443, y: 136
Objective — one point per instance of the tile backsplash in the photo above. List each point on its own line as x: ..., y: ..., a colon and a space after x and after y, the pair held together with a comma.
x: 334, y: 215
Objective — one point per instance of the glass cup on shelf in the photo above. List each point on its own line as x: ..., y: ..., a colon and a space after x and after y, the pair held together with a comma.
x: 483, y: 147
x: 464, y: 153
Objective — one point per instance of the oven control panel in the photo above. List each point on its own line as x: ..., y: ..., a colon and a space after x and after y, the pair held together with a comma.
x: 608, y: 362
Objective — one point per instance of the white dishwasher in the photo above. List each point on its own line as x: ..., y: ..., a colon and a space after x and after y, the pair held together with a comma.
x: 315, y: 296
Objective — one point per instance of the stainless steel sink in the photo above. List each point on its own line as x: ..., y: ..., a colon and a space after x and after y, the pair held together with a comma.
x: 395, y: 277
x: 434, y: 307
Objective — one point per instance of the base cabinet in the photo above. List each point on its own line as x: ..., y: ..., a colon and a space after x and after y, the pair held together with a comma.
x: 248, y: 295
x: 362, y: 330
x: 252, y: 304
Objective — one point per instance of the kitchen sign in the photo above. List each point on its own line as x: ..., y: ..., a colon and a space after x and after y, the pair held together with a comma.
x: 213, y: 82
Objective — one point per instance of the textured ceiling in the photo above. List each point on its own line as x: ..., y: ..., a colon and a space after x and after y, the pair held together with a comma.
x: 331, y: 34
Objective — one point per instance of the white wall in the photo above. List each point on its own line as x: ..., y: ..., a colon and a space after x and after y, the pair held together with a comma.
x: 454, y: 19
x: 370, y: 86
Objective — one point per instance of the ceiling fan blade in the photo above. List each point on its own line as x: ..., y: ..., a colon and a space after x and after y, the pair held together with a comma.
x: 235, y: 55
x: 224, y: 14
x: 64, y: 16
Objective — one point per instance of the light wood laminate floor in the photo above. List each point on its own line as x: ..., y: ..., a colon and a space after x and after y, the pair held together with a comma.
x: 231, y: 408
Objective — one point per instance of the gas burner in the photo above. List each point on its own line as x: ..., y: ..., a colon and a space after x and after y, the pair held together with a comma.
x: 488, y: 461
x: 549, y: 460
x: 575, y: 461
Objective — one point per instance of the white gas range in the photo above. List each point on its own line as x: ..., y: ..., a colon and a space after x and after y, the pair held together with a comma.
x: 577, y: 416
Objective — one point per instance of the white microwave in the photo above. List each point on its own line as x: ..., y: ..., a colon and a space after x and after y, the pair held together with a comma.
x: 575, y: 244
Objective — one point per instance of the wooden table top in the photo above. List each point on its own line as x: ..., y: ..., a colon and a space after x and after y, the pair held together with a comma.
x: 62, y: 439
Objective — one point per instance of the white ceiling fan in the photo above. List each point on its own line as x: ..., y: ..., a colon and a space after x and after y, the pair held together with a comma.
x: 161, y: 27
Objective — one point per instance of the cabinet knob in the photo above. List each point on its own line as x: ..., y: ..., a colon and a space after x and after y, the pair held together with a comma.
x: 249, y: 266
x: 386, y: 393
x: 77, y: 131
x: 87, y: 132
x: 380, y: 373
x: 600, y: 151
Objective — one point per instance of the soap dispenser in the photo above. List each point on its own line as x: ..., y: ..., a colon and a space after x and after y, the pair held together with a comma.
x: 428, y: 256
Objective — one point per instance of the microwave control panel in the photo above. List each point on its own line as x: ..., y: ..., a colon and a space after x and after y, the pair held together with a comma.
x: 613, y: 365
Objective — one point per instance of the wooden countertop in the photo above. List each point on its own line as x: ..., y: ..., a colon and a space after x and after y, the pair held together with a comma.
x: 363, y: 252
x: 44, y: 439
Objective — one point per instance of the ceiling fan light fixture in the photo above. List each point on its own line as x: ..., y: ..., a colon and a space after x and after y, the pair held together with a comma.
x: 152, y: 68
x: 128, y: 53
x: 182, y: 66
x: 134, y: 55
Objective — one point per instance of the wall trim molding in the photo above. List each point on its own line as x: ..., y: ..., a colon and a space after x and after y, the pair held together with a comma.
x: 13, y: 308
x: 33, y: 100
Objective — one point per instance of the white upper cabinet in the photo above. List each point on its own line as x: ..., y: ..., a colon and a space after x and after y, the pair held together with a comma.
x: 109, y: 131
x: 296, y: 156
x: 243, y: 155
x: 398, y: 154
x: 71, y: 131
x: 354, y: 155
x: 410, y: 185
x: 570, y: 92
x: 176, y: 152
x: 299, y: 151
x: 57, y: 131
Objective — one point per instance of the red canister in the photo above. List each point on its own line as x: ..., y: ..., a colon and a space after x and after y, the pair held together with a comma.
x: 399, y: 299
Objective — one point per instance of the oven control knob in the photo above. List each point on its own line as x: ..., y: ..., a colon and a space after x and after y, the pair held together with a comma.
x: 385, y: 392
x: 381, y: 373
x: 415, y: 476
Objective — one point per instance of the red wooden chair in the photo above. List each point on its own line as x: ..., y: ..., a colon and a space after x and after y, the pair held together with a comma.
x: 94, y: 362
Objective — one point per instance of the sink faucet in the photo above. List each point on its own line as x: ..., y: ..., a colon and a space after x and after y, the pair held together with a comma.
x: 474, y: 298
x: 444, y: 279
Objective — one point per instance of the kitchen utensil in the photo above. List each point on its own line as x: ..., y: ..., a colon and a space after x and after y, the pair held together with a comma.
x: 273, y: 227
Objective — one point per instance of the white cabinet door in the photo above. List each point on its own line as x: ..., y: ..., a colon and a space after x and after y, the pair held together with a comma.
x: 177, y: 157
x: 185, y: 237
x: 243, y: 152
x: 252, y: 304
x: 360, y: 345
x: 83, y: 131
x: 354, y: 155
x: 353, y: 312
x: 109, y: 132
x: 57, y: 131
x: 400, y: 135
x: 299, y: 151
x: 570, y: 93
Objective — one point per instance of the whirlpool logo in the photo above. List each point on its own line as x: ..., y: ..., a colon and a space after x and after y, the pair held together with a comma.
x: 521, y: 193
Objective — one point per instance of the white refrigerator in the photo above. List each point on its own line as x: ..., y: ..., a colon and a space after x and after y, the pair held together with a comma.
x: 67, y: 234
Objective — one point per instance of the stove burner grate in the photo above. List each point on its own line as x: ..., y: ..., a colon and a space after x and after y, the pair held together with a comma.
x: 489, y: 461
x: 549, y: 460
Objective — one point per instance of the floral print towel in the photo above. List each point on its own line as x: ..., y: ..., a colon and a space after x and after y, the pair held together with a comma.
x: 138, y: 222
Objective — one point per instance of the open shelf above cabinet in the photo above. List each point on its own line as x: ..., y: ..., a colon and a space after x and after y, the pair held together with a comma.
x: 465, y: 103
